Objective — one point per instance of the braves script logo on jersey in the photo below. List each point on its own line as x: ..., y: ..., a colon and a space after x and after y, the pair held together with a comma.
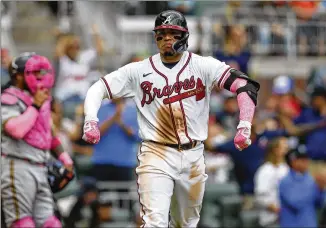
x: 191, y: 87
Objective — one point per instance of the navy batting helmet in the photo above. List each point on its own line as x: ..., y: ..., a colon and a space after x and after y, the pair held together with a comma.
x: 172, y: 19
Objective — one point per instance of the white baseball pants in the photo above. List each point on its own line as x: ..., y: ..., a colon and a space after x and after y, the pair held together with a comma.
x: 170, y: 181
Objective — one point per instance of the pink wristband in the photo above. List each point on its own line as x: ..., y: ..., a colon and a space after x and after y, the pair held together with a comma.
x: 55, y: 142
x: 65, y: 159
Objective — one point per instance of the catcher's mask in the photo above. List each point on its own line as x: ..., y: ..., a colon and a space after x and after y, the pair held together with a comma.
x: 172, y: 19
x: 30, y: 64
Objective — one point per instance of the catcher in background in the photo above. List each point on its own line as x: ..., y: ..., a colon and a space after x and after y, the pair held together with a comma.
x: 27, y: 138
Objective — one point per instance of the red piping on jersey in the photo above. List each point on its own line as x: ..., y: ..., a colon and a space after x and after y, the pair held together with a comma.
x: 107, y: 87
x: 221, y: 78
x: 171, y: 113
x: 180, y: 101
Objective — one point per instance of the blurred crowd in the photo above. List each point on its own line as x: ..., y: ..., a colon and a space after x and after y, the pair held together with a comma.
x: 271, y: 27
x: 283, y: 123
x: 275, y: 31
x: 285, y: 167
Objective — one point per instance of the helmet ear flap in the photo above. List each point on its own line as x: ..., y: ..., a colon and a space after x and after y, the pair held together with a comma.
x: 182, y: 44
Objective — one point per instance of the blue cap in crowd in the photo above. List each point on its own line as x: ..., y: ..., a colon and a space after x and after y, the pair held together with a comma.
x: 296, y: 153
x: 282, y: 85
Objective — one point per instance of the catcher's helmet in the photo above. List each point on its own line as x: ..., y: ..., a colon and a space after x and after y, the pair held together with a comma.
x: 172, y: 19
x: 27, y: 64
x: 19, y: 63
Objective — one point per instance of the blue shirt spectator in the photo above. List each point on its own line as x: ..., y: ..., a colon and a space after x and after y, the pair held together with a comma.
x: 300, y: 195
x: 116, y: 147
x: 115, y: 156
x: 235, y: 51
x: 247, y: 162
x: 239, y: 61
x: 315, y: 140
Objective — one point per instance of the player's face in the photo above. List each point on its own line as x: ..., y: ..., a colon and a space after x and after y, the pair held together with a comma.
x: 165, y: 38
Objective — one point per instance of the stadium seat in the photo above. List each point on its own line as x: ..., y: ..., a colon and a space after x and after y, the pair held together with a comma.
x: 209, y: 215
x: 249, y: 218
x: 120, y: 214
x: 230, y: 210
x: 83, y: 164
x: 217, y: 190
x: 213, y: 201
x: 117, y: 224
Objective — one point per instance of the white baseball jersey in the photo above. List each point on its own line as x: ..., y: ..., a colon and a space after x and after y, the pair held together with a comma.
x: 173, y: 104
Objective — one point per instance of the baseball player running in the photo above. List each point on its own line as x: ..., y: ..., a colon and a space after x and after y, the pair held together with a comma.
x: 26, y: 197
x: 172, y: 91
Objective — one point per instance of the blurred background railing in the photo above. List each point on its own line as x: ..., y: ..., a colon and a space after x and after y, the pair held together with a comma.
x: 270, y: 30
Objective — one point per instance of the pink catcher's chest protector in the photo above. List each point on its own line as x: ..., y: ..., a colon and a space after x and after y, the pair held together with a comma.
x: 38, y: 65
x: 40, y: 136
x: 20, y: 94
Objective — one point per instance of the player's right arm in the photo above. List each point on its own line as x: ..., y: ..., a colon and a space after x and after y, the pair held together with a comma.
x: 114, y: 85
x: 18, y: 124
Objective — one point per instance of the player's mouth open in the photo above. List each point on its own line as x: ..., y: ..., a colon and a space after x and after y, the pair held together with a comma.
x: 167, y: 45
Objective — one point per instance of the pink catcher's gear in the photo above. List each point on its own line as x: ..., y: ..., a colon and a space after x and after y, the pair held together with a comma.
x: 40, y: 135
x: 52, y: 222
x: 91, y: 132
x: 41, y: 64
x: 18, y: 126
x: 37, y: 70
x: 24, y: 222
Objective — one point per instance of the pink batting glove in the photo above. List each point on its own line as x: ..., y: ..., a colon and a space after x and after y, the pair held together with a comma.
x: 91, y: 132
x: 242, y: 137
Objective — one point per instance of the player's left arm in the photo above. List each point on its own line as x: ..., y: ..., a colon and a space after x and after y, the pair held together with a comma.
x: 58, y: 151
x: 247, y: 93
x: 62, y: 172
x: 223, y: 76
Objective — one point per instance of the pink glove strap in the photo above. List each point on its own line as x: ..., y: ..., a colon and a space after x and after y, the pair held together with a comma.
x: 65, y: 159
x: 55, y: 142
